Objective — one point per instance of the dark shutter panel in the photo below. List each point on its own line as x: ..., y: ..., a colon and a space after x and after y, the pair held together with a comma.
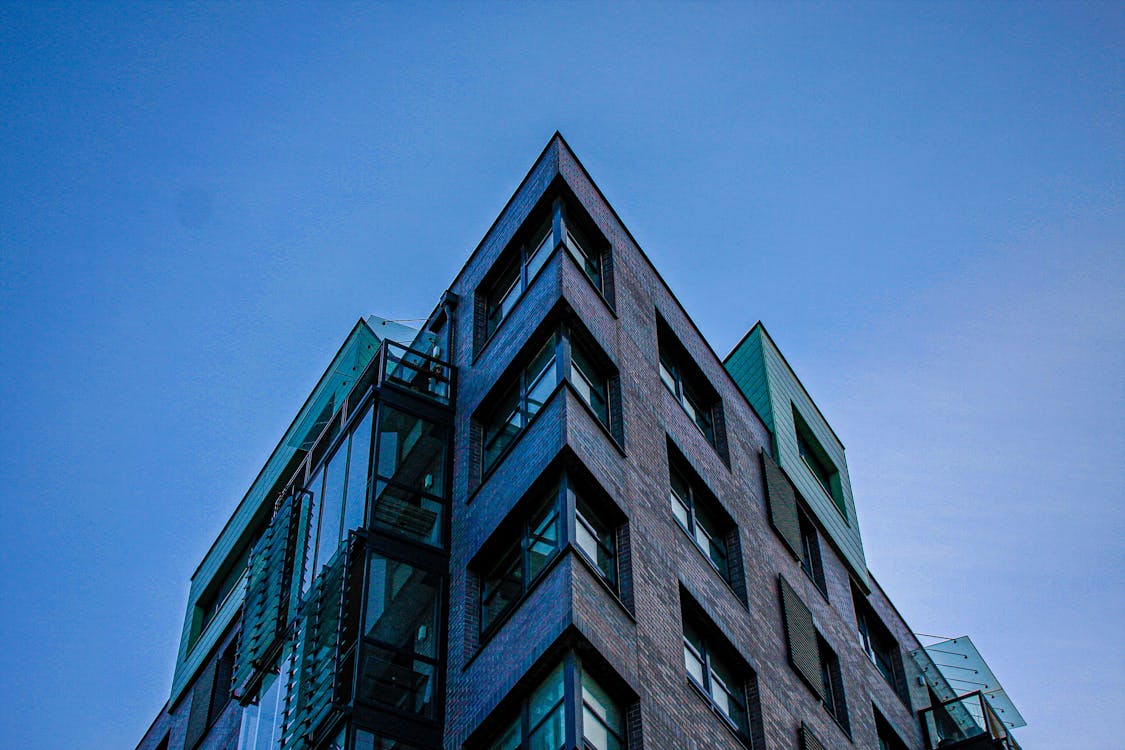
x: 782, y: 503
x: 200, y: 705
x: 809, y: 740
x: 801, y: 636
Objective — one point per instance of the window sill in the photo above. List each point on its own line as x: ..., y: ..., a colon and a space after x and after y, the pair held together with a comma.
x: 710, y: 563
x: 723, y: 719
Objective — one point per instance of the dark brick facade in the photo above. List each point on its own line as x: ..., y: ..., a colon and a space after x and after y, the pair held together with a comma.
x: 636, y: 638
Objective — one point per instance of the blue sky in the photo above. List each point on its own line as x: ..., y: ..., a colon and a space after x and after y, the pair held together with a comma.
x: 923, y: 202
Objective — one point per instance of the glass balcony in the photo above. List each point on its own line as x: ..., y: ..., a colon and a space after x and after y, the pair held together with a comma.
x: 966, y: 723
x: 415, y: 371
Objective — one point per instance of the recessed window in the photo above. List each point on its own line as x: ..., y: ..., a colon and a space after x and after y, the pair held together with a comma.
x: 555, y: 222
x: 810, y: 558
x: 887, y: 737
x: 684, y: 380
x: 879, y: 645
x: 811, y: 655
x: 714, y: 669
x: 698, y: 513
x: 833, y: 679
x: 565, y: 355
x: 539, y: 722
x: 818, y: 462
x: 689, y: 506
x: 505, y: 582
x: 526, y: 550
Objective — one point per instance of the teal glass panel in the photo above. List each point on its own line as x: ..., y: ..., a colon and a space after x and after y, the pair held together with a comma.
x: 546, y: 714
x: 332, y: 505
x: 355, y: 501
x: 308, y: 556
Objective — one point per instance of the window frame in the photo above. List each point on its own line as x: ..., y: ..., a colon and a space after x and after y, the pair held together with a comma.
x: 834, y: 699
x: 689, y: 386
x: 564, y: 497
x: 557, y: 221
x: 715, y: 656
x: 572, y: 674
x: 573, y: 352
x: 701, y: 503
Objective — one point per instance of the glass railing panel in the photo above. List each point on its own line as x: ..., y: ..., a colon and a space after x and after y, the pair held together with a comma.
x: 416, y: 371
x: 959, y: 720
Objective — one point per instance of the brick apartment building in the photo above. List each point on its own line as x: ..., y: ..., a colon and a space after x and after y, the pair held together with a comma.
x: 554, y: 517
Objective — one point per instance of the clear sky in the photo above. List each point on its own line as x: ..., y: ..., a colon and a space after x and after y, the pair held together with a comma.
x: 924, y: 203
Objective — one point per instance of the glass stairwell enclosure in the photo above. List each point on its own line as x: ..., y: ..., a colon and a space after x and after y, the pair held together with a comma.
x: 346, y: 589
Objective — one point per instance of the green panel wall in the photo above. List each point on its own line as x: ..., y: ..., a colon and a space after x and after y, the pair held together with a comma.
x: 765, y: 378
x: 356, y: 352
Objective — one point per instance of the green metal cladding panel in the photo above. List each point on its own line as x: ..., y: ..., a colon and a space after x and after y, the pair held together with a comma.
x: 766, y: 379
x: 356, y: 352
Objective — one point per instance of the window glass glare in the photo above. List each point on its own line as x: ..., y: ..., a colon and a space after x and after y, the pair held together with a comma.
x: 590, y: 385
x: 667, y: 376
x: 698, y: 522
x: 545, y: 713
x: 314, y: 487
x: 602, y: 722
x: 595, y: 539
x: 502, y: 428
x: 332, y: 506
x: 540, y: 249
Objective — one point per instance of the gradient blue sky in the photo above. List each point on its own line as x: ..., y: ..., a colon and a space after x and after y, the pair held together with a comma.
x: 924, y: 203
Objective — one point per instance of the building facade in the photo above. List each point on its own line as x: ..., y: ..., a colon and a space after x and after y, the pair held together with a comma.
x: 553, y: 517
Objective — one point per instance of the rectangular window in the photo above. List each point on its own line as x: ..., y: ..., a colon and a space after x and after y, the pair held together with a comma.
x: 888, y: 738
x: 400, y: 636
x: 833, y: 679
x: 507, y: 581
x: 717, y: 673
x: 810, y: 654
x: 409, y: 481
x: 700, y: 515
x: 684, y: 380
x: 818, y: 462
x: 879, y: 645
x: 564, y: 356
x: 811, y: 562
x: 518, y: 556
x: 539, y: 721
x: 530, y: 251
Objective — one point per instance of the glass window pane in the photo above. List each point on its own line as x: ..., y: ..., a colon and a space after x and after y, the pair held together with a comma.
x: 407, y: 512
x: 501, y: 587
x: 398, y: 680
x: 402, y: 603
x: 541, y: 377
x: 332, y: 506
x: 694, y: 663
x: 596, y: 540
x: 583, y: 253
x: 503, y: 296
x: 502, y: 427
x: 355, y: 502
x: 541, y: 246
x: 543, y: 542
x: 411, y: 451
x: 589, y: 383
x: 602, y: 722
x: 667, y: 375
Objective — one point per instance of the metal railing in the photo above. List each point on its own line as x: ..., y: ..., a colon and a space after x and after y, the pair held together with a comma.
x: 964, y: 718
x: 415, y: 371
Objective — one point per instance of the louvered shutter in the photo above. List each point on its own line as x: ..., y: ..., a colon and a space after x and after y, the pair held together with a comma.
x: 801, y: 636
x: 809, y: 740
x: 200, y: 711
x: 782, y: 502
